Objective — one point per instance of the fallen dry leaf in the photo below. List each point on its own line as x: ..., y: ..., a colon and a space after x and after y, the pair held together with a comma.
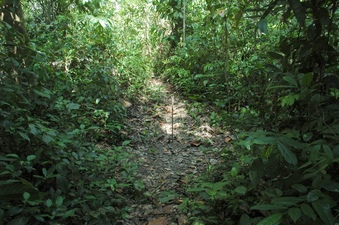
x: 195, y: 143
x: 228, y: 139
x: 159, y: 221
x: 184, y: 181
x: 119, y: 191
x: 123, y: 132
x: 127, y: 104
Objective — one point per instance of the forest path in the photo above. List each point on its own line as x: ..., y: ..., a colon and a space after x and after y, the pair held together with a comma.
x: 167, y: 165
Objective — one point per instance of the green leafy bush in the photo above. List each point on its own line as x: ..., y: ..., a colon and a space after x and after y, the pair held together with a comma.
x: 280, y: 87
x: 63, y: 159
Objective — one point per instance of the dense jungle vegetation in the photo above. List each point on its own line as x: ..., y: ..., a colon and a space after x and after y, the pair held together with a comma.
x: 266, y: 69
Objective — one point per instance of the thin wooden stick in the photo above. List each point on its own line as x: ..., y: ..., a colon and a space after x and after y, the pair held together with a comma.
x: 172, y: 118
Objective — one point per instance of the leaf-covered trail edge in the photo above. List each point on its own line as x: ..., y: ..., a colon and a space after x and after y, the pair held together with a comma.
x: 172, y: 142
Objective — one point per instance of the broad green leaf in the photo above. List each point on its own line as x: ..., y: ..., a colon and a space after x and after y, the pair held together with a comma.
x: 272, y: 193
x: 274, y: 219
x: 62, y: 183
x: 307, y: 137
x: 288, y: 155
x: 27, y: 184
x: 24, y: 136
x: 5, y: 182
x: 59, y: 201
x: 46, y: 93
x: 266, y: 207
x: 104, y: 23
x: 219, y: 185
x: 300, y: 188
x: 69, y: 213
x: 288, y: 201
x: 211, y: 192
x: 234, y: 171
x: 198, y: 223
x: 46, y: 138
x: 294, y: 213
x: 308, y: 211
x: 256, y: 171
x: 39, y: 218
x: 100, y: 158
x: 314, y: 155
x: 14, y: 211
x: 262, y: 25
x: 33, y: 129
x: 241, y: 190
x: 314, y: 195
x: 328, y: 152
x: 21, y: 220
x: 167, y: 199
x: 330, y: 185
x: 13, y: 155
x: 31, y: 157
x: 334, y: 92
x: 307, y: 79
x: 48, y: 203
x: 289, y: 99
x: 26, y: 195
x: 290, y: 80
x: 323, y: 209
x: 245, y: 220
x: 125, y: 143
x: 265, y: 140
x: 72, y: 106
x: 44, y: 172
x: 90, y: 197
x: 52, y: 133
x: 292, y: 142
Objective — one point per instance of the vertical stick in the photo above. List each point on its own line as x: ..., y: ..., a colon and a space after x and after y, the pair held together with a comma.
x: 172, y: 118
x: 184, y: 23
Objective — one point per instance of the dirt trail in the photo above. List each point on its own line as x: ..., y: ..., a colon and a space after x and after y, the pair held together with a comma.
x: 166, y: 165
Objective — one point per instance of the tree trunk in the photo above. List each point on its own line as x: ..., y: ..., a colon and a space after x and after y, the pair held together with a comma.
x: 16, y: 36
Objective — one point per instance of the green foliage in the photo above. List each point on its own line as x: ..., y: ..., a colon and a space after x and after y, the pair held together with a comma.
x: 269, y: 69
x: 63, y: 158
x: 276, y: 80
x: 51, y: 168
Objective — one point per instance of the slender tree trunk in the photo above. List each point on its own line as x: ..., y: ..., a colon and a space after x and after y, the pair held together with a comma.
x: 12, y: 14
x: 184, y: 23
x: 16, y: 37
